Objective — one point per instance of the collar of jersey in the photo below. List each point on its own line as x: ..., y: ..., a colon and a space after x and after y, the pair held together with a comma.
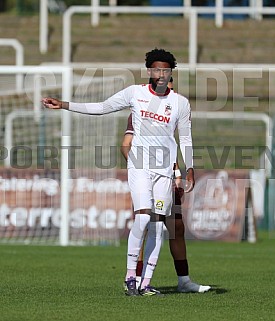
x: 157, y: 94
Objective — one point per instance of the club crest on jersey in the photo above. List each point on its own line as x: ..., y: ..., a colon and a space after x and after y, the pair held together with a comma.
x: 168, y: 109
x: 159, y: 204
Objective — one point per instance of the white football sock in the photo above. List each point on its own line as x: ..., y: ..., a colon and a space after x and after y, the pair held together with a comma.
x: 185, y: 285
x: 183, y: 279
x: 135, y: 242
x: 152, y: 249
x: 138, y: 279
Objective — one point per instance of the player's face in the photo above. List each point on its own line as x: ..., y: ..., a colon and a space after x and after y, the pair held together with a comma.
x: 160, y: 74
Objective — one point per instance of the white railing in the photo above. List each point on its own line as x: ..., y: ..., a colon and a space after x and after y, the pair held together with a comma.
x: 43, y: 21
x: 187, y: 5
x: 66, y: 73
x: 192, y: 12
x: 19, y: 57
x: 9, y: 131
x: 255, y: 9
x: 245, y: 116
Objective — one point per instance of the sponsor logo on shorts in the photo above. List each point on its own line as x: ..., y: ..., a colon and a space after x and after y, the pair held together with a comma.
x: 159, y: 205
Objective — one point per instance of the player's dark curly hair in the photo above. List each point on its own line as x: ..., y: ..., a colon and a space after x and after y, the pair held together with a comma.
x: 160, y: 55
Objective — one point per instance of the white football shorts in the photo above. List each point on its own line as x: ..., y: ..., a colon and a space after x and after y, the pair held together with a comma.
x: 150, y: 190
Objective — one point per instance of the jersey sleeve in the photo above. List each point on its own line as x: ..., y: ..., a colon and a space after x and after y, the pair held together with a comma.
x: 118, y: 101
x: 129, y: 128
x: 185, y: 135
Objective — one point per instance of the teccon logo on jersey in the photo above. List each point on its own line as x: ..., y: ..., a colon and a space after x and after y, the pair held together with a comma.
x: 157, y: 117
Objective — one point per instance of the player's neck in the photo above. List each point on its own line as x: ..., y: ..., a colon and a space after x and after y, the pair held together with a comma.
x: 159, y: 91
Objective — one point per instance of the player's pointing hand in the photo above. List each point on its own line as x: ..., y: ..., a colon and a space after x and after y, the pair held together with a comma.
x: 53, y: 103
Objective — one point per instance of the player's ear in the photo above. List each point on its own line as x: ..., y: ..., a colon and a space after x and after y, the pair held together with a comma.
x: 149, y: 72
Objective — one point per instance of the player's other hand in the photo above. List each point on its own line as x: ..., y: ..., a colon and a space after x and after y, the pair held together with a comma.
x: 179, y: 187
x: 190, y: 181
x: 52, y: 103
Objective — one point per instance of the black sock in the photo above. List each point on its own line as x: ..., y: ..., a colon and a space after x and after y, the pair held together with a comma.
x: 181, y: 267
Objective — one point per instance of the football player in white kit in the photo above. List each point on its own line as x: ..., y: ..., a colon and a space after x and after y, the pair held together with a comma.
x: 175, y: 227
x: 156, y: 113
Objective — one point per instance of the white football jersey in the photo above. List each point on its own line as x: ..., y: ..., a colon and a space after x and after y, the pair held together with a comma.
x: 155, y: 119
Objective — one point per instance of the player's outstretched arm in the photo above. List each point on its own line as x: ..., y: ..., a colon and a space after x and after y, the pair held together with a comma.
x: 53, y: 103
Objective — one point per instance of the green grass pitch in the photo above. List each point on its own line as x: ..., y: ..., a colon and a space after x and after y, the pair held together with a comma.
x: 85, y: 283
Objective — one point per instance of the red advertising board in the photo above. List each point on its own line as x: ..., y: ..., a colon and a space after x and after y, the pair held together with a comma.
x: 30, y: 205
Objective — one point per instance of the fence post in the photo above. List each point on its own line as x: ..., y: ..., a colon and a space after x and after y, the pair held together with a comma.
x: 113, y: 3
x: 187, y: 4
x: 43, y: 25
x: 256, y: 4
x: 193, y: 25
x: 66, y: 41
x: 219, y: 13
x: 95, y: 14
x: 65, y: 152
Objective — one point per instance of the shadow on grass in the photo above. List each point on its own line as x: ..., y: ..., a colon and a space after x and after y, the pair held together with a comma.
x: 173, y: 290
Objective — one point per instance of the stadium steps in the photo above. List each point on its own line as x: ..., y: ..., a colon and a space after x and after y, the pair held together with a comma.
x: 127, y: 38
